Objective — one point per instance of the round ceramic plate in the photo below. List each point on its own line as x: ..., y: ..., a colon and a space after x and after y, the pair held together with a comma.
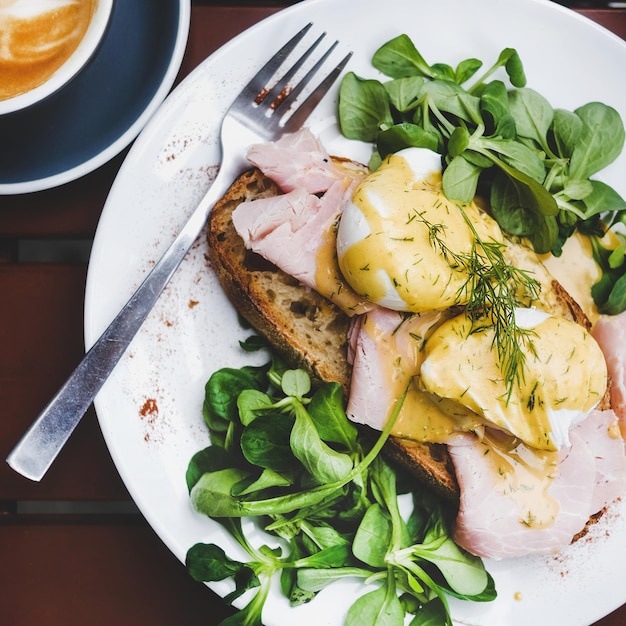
x: 150, y: 409
x: 104, y: 108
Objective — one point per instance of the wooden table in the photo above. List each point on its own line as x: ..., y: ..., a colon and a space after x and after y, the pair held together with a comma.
x: 73, y: 549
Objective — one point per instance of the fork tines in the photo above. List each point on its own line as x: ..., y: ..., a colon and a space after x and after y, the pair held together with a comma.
x: 282, y: 93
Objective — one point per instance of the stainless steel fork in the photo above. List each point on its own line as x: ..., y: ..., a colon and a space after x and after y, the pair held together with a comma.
x: 263, y: 111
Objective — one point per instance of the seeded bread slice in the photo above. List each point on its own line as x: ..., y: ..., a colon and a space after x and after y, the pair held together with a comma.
x: 307, y: 329
x: 311, y: 332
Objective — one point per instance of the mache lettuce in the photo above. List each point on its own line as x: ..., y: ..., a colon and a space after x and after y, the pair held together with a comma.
x: 506, y: 142
x: 287, y: 455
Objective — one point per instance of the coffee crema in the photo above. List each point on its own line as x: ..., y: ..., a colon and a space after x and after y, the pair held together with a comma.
x: 36, y: 38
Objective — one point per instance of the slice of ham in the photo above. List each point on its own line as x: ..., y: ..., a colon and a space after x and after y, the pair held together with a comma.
x: 610, y: 333
x: 601, y: 433
x: 489, y: 522
x: 493, y: 524
x: 296, y: 232
x: 289, y: 229
x: 373, y: 341
x: 296, y: 161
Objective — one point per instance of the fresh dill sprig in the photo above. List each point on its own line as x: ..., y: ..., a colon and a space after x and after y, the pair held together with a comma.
x: 493, y: 289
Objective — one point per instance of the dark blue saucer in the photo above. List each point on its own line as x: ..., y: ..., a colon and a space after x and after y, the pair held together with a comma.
x: 97, y: 115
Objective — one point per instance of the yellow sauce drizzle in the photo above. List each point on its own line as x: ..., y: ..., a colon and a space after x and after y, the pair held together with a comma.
x: 329, y: 281
x: 398, y: 251
x: 524, y: 475
x: 462, y: 366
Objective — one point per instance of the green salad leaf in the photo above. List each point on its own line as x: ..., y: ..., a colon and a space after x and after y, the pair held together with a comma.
x: 533, y: 162
x: 286, y: 455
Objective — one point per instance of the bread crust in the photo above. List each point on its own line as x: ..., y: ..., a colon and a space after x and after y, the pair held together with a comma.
x: 311, y: 332
x: 307, y: 329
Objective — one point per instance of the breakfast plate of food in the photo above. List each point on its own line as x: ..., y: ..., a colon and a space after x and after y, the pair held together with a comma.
x: 481, y: 88
x: 99, y: 113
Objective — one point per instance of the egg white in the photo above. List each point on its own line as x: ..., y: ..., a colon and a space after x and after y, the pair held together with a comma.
x: 561, y: 420
x: 498, y: 414
x: 354, y: 227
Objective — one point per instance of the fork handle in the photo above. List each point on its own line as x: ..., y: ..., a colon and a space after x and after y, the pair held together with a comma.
x: 44, y: 439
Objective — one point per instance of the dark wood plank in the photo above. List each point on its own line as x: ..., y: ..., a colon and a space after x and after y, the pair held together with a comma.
x: 612, y: 19
x: 41, y: 337
x: 69, y: 210
x: 97, y: 575
x: 212, y: 27
x: 79, y: 574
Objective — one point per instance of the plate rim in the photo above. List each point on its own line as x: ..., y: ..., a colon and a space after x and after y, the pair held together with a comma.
x: 226, y: 48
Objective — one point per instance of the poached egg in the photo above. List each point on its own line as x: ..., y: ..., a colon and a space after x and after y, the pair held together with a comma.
x: 398, y: 235
x: 396, y: 245
x: 564, y: 376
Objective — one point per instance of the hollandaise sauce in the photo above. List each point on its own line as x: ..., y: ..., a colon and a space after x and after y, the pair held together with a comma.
x: 454, y: 383
x: 388, y: 251
x: 577, y: 270
x: 329, y: 281
x: 524, y: 475
x: 564, y: 376
x: 422, y: 417
x: 438, y: 417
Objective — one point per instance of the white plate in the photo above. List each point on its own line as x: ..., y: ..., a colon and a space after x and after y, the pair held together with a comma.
x: 150, y: 409
x: 93, y: 118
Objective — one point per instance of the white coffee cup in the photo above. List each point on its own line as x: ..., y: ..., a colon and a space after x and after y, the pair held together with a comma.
x: 44, y: 44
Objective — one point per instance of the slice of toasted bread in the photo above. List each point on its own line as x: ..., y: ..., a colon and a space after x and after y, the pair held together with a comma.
x: 304, y: 327
x: 307, y: 329
x: 311, y: 332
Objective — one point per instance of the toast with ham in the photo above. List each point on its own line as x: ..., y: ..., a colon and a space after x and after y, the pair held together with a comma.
x: 309, y: 330
x: 273, y: 243
x: 303, y: 326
